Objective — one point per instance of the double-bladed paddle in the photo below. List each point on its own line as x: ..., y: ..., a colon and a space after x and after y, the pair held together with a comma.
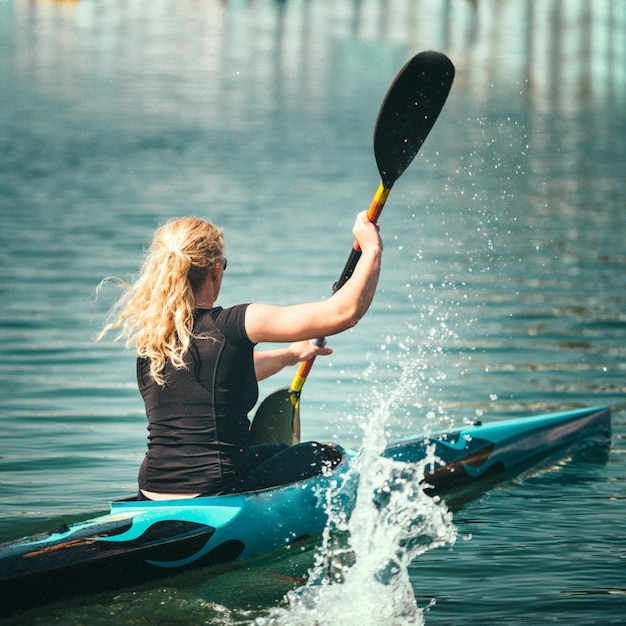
x: 406, y: 116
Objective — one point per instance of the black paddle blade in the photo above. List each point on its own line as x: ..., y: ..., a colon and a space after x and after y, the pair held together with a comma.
x: 409, y: 111
x: 274, y: 419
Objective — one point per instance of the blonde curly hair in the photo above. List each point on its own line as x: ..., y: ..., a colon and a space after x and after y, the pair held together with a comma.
x: 155, y: 315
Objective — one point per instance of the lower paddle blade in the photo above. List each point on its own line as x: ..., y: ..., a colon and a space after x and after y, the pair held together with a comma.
x: 409, y: 111
x: 275, y: 419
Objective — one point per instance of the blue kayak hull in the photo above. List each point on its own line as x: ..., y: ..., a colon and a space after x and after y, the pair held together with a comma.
x: 142, y: 541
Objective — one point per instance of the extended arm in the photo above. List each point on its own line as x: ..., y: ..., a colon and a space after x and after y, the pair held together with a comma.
x: 270, y: 362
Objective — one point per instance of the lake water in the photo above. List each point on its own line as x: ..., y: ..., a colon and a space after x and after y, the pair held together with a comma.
x: 503, y: 291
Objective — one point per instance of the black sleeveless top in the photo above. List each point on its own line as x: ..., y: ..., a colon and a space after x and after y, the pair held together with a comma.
x: 198, y: 426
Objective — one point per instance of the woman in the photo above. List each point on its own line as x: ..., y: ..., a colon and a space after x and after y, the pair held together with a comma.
x: 197, y: 369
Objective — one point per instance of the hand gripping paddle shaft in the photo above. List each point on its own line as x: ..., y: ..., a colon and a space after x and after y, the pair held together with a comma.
x: 407, y: 114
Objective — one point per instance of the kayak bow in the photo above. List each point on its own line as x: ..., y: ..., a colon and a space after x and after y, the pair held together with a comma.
x: 142, y: 541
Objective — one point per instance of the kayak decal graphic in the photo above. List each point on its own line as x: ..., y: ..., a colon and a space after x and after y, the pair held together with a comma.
x: 176, y: 541
x: 223, y: 553
x: 111, y: 528
x: 462, y: 458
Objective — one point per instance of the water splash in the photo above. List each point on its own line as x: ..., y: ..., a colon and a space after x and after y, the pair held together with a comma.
x: 361, y: 571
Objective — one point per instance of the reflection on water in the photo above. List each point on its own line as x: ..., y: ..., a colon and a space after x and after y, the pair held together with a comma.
x: 503, y: 287
x: 561, y: 55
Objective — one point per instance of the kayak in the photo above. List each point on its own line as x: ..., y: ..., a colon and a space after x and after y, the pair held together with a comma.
x: 137, y: 542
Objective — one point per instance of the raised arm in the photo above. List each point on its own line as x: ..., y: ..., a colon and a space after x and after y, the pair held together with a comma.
x: 326, y: 317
